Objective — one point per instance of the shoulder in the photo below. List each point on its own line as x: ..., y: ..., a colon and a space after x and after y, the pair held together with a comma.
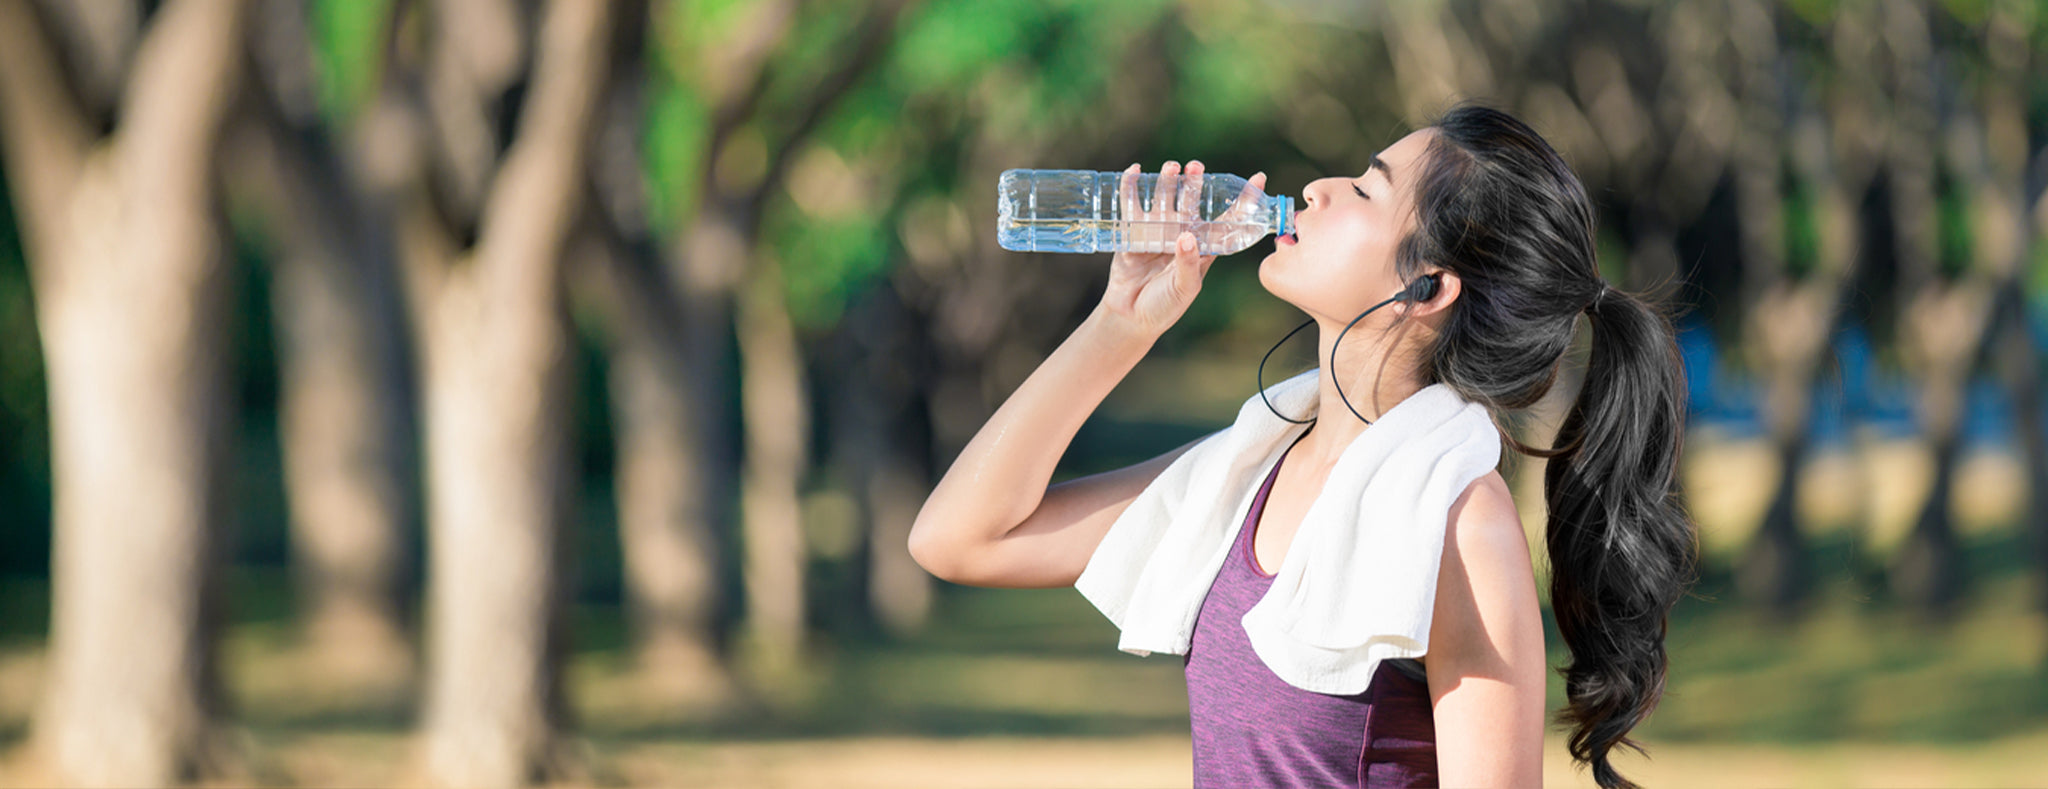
x: 1486, y: 582
x: 1484, y: 524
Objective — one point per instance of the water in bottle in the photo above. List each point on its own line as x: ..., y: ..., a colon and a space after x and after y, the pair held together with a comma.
x: 1085, y: 211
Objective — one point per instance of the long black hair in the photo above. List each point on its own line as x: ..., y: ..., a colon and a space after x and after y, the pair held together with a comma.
x: 1498, y: 207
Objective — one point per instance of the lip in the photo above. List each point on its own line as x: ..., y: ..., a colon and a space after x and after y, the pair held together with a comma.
x: 1285, y: 240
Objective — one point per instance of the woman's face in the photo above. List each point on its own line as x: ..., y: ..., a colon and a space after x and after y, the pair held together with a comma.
x: 1340, y: 259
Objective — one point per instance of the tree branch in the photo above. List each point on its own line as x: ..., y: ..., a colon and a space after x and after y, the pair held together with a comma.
x: 479, y: 53
x: 292, y: 171
x: 533, y: 208
x: 186, y: 76
x: 43, y: 133
x: 747, y: 60
x: 875, y: 35
x: 97, y: 38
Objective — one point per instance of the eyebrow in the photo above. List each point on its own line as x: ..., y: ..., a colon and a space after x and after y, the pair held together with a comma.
x: 1381, y: 165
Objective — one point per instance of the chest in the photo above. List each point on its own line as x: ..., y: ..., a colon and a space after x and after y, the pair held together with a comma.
x: 1294, y: 489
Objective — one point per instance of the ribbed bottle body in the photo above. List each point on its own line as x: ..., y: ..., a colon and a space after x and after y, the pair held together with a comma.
x: 1084, y: 211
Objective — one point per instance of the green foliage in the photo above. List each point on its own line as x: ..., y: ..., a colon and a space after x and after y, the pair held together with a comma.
x: 1969, y: 12
x: 1227, y: 86
x: 678, y: 127
x: 1952, y: 228
x: 348, y: 41
x: 826, y: 261
x: 1802, y: 228
x: 1813, y: 12
x: 682, y: 29
x: 948, y: 44
x: 2036, y: 278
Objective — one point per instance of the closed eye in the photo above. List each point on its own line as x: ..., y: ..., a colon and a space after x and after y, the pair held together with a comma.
x: 1361, y: 192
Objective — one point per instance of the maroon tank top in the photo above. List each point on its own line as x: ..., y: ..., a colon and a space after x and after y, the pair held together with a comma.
x: 1252, y: 729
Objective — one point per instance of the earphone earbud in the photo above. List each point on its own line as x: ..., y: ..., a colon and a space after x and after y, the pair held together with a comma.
x: 1422, y: 289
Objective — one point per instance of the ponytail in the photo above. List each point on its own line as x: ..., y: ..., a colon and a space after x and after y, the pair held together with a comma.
x: 1622, y: 549
x: 1498, y: 207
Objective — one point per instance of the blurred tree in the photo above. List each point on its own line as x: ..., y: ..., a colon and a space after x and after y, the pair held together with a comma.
x: 110, y: 132
x: 673, y: 470
x: 487, y: 118
x: 1964, y: 306
x: 927, y: 352
x: 761, y: 80
x: 1782, y: 169
x: 346, y: 405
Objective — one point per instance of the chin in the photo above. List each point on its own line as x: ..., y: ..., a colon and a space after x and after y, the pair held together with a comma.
x: 1271, y: 280
x: 1266, y: 274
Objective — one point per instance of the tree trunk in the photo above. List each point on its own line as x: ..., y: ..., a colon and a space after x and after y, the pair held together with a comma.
x: 496, y: 346
x: 496, y: 357
x: 344, y: 405
x: 671, y: 497
x: 721, y: 271
x: 880, y: 456
x: 345, y: 430
x: 2020, y: 358
x: 775, y: 412
x: 1955, y: 324
x: 1790, y: 317
x: 124, y: 237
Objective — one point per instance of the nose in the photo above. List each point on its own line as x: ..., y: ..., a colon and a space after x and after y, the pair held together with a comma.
x: 1312, y: 193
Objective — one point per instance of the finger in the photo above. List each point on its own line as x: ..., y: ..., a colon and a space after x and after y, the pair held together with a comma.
x: 1189, y: 263
x: 1184, y: 250
x: 1163, y: 191
x: 1191, y: 191
x: 1127, y: 193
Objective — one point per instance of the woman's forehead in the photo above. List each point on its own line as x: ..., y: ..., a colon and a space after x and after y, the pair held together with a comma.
x: 1399, y: 156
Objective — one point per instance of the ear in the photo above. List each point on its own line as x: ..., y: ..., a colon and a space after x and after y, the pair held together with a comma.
x: 1448, y: 287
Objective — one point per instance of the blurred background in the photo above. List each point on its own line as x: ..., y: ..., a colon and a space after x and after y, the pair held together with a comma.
x: 492, y: 392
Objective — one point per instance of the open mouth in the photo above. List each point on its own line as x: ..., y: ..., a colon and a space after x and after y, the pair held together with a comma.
x: 1294, y: 237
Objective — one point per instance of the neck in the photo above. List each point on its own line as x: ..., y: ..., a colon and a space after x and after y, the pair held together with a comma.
x: 1375, y: 379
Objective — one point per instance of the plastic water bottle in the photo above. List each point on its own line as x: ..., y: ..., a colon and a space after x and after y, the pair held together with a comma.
x: 1083, y: 211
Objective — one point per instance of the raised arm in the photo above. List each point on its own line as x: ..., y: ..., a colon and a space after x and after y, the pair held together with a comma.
x: 992, y: 520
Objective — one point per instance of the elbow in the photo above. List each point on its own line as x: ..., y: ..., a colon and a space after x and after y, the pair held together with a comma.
x: 928, y: 552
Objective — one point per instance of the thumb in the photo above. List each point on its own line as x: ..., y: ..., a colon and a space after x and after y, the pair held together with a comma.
x: 1188, y: 261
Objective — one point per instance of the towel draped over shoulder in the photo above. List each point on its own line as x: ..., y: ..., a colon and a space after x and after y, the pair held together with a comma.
x: 1358, y: 584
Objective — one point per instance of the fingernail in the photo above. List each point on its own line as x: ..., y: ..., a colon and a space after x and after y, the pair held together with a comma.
x: 1187, y: 243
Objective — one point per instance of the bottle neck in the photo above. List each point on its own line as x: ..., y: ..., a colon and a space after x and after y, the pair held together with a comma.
x: 1282, y: 208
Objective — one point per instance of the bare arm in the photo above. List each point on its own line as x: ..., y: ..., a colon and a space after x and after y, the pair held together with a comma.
x: 1486, y: 661
x: 992, y: 520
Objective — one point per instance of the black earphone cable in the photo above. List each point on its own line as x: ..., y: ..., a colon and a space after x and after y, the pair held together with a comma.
x: 1415, y: 291
x: 1334, y: 380
x: 1262, y: 374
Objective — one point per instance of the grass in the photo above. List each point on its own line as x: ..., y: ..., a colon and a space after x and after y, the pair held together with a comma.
x: 1025, y: 687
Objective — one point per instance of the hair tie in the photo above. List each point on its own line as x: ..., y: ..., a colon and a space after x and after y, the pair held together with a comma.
x: 1600, y: 297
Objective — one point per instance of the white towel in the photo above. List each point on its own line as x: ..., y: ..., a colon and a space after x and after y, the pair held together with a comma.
x: 1359, y: 581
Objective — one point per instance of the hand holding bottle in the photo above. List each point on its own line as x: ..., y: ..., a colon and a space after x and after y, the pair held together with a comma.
x: 1149, y: 291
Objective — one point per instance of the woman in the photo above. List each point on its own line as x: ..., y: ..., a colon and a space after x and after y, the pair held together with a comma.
x: 1487, y: 237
